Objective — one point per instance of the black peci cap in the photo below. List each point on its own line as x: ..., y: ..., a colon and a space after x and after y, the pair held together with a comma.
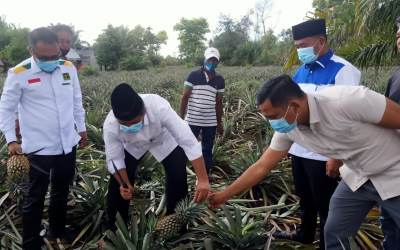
x: 309, y: 28
x: 126, y: 103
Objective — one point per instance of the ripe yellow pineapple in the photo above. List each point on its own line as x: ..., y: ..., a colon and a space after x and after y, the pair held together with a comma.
x: 170, y: 226
x: 17, y: 169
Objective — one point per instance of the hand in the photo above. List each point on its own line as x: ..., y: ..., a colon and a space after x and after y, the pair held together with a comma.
x: 126, y: 193
x: 332, y: 168
x: 14, y: 148
x: 216, y: 199
x: 202, y: 189
x: 220, y: 129
x: 84, y: 140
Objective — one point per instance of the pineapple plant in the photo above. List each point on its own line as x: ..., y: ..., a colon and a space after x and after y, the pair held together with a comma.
x: 170, y: 226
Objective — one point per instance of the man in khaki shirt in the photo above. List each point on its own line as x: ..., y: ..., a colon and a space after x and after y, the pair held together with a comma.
x: 352, y: 124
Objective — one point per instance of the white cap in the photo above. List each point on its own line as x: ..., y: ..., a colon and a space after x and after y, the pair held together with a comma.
x: 211, y: 52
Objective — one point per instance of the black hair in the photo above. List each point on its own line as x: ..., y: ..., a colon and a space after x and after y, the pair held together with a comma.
x: 62, y: 28
x: 126, y: 103
x: 42, y: 34
x: 398, y: 21
x: 279, y: 90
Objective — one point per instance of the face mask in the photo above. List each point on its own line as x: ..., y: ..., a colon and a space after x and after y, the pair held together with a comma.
x: 64, y: 52
x: 307, y: 55
x: 210, y: 66
x: 281, y: 125
x: 133, y: 129
x: 47, y: 66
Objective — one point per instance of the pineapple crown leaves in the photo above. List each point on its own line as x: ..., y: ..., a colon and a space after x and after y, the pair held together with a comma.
x: 188, y: 209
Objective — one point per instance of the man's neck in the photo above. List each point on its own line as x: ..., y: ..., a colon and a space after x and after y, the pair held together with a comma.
x: 323, y: 51
x: 304, y: 113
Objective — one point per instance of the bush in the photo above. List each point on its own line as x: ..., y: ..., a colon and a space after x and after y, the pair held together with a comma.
x: 89, y: 70
x: 134, y: 62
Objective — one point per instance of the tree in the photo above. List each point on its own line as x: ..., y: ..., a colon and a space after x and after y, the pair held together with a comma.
x: 231, y: 36
x: 362, y: 30
x: 122, y: 48
x: 192, y: 38
x: 111, y: 46
x: 13, y: 43
x: 261, y: 11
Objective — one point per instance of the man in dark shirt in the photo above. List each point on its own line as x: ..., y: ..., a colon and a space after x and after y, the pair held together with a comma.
x: 389, y: 227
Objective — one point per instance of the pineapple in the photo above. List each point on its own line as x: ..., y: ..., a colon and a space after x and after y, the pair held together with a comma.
x: 170, y: 226
x: 17, y: 169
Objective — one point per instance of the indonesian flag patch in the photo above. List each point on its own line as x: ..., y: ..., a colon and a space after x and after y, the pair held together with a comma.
x: 33, y: 81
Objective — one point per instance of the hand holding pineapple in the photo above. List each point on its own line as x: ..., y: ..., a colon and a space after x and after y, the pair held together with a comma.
x: 14, y: 148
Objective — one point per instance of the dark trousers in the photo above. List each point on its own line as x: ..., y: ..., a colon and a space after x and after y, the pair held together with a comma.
x: 176, y: 185
x: 390, y: 230
x: 315, y: 190
x: 207, y: 143
x: 59, y: 170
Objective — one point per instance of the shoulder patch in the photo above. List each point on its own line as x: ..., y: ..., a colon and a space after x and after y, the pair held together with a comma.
x: 66, y: 63
x: 21, y: 68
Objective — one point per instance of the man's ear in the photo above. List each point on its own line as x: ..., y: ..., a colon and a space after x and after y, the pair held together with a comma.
x: 30, y: 50
x: 295, y: 103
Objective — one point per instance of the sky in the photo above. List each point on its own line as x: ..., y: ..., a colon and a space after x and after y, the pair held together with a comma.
x: 91, y: 16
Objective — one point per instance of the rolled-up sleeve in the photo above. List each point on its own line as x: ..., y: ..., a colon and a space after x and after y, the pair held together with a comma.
x: 79, y: 112
x: 114, y: 151
x: 364, y: 105
x: 8, y: 106
x: 280, y: 142
x: 180, y: 130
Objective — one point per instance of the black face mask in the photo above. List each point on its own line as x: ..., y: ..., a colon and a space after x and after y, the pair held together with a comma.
x: 64, y: 52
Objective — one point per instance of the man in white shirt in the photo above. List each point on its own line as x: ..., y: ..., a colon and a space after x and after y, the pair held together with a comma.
x: 352, y: 124
x: 46, y: 93
x: 140, y: 123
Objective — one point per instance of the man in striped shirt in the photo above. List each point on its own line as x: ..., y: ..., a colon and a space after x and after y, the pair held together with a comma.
x: 202, y: 103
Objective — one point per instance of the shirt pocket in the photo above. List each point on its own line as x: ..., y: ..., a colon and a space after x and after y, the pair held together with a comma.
x: 38, y: 90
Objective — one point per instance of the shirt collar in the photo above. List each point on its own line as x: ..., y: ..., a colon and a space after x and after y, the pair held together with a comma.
x: 312, y: 109
x: 322, y: 61
x: 146, y: 120
x: 35, y: 68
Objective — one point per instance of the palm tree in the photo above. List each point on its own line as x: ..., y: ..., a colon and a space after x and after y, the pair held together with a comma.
x: 363, y: 31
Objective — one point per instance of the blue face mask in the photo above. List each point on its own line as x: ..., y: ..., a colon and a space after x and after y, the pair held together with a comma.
x: 47, y: 66
x: 281, y: 125
x: 210, y: 66
x: 133, y: 129
x: 307, y: 55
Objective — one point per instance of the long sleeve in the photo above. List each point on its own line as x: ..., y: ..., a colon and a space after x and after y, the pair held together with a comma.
x: 180, y: 130
x: 79, y: 112
x: 8, y: 106
x: 114, y: 150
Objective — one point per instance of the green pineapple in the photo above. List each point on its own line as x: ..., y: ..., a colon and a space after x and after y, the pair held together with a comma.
x: 170, y: 226
x: 17, y: 169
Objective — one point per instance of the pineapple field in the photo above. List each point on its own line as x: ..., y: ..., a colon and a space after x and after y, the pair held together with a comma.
x: 245, y: 222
